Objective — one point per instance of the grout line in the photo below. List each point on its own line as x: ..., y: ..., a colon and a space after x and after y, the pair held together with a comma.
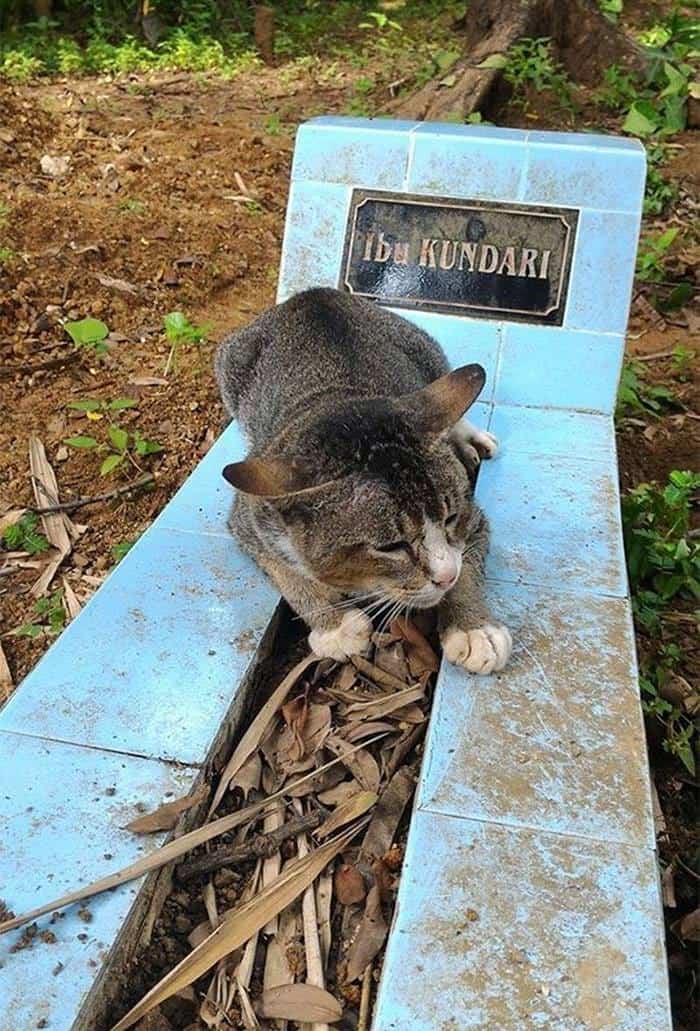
x: 529, y: 828
x: 103, y: 749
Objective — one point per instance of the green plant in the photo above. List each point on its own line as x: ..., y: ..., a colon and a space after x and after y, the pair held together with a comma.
x: 619, y: 90
x: 661, y: 107
x: 89, y: 333
x: 273, y: 125
x: 4, y: 212
x: 681, y: 731
x: 682, y: 362
x: 120, y: 447
x: 49, y: 617
x: 131, y: 206
x: 636, y: 394
x: 122, y: 549
x: 612, y: 9
x: 23, y: 535
x: 663, y: 559
x: 658, y: 192
x: 381, y: 22
x: 652, y: 254
x: 7, y: 256
x: 179, y: 331
x: 530, y: 62
x: 95, y: 409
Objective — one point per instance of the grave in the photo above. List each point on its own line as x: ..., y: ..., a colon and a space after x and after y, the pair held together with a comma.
x: 529, y: 895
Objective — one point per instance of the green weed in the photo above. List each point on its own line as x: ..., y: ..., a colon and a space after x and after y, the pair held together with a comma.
x: 130, y: 206
x: 179, y: 331
x: 122, y: 549
x: 652, y: 254
x: 682, y: 362
x: 49, y: 617
x: 636, y: 395
x: 681, y: 730
x: 119, y: 447
x: 89, y: 333
x: 530, y: 63
x: 24, y: 536
x: 658, y: 192
x: 612, y: 9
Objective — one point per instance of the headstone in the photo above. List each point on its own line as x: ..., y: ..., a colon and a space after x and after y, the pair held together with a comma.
x: 529, y: 893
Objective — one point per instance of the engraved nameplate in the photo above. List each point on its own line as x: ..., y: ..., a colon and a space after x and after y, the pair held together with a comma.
x: 476, y: 258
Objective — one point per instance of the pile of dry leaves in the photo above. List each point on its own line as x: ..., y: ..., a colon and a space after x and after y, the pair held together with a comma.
x: 315, y: 792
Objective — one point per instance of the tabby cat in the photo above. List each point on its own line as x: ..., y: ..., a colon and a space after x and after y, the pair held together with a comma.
x: 355, y: 498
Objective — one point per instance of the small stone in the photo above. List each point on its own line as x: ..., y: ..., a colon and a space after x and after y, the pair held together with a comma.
x: 110, y: 791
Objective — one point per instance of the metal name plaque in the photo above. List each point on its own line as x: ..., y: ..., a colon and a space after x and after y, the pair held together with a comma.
x: 475, y: 258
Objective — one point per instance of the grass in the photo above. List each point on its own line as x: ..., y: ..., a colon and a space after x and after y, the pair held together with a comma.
x: 530, y: 64
x: 199, y: 39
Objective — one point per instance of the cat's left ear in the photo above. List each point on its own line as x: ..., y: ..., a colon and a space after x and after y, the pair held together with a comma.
x: 269, y: 477
x: 442, y: 403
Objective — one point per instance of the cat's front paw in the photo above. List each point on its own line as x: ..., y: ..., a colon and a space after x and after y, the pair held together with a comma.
x: 484, y: 650
x: 352, y: 637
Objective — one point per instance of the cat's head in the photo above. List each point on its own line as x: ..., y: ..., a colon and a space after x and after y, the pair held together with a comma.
x: 371, y: 498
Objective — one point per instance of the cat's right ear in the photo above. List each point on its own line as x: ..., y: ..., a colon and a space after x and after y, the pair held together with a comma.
x: 267, y: 477
x: 437, y: 407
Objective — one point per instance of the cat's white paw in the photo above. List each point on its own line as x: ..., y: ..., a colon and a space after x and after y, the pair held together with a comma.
x: 484, y: 442
x: 484, y: 650
x: 352, y: 637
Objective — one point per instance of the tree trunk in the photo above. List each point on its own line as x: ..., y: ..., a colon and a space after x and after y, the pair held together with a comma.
x: 42, y: 8
x: 586, y: 42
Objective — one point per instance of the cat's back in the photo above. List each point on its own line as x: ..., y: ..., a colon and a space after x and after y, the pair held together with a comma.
x: 320, y: 342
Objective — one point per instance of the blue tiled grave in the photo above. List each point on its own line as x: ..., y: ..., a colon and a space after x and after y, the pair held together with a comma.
x: 529, y: 896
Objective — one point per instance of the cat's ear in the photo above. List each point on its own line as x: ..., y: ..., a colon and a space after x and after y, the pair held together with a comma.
x: 443, y: 402
x: 268, y: 477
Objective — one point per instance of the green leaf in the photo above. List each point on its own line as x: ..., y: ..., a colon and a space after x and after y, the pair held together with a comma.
x: 146, y: 447
x: 666, y: 239
x: 679, y: 296
x: 86, y: 331
x: 85, y: 406
x: 494, y: 61
x: 120, y: 403
x: 684, y: 751
x: 677, y: 82
x: 110, y: 463
x: 119, y: 437
x: 175, y: 325
x: 642, y: 119
x: 81, y: 442
x: 30, y: 630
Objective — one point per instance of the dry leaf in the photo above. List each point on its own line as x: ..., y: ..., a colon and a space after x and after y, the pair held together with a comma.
x: 377, y: 675
x: 56, y: 525
x: 392, y: 659
x: 248, y: 777
x: 166, y: 816
x: 689, y: 926
x: 358, y: 731
x: 116, y: 284
x: 370, y: 936
x: 340, y: 793
x: 349, y: 885
x: 361, y: 764
x: 346, y: 812
x: 239, y: 926
x: 6, y: 684
x: 385, y: 818
x: 303, y: 1002
x: 148, y: 381
x: 421, y: 657
x: 324, y: 898
x: 72, y: 603
x: 250, y: 1020
x: 253, y: 735
x: 10, y: 517
x: 385, y: 705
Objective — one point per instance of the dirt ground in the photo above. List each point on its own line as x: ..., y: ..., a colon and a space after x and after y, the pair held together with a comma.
x: 154, y: 198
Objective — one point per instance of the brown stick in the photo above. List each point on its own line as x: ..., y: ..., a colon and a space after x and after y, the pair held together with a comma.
x: 379, y: 676
x: 71, y: 506
x: 363, y: 1018
x: 50, y: 363
x: 402, y: 748
x: 262, y: 846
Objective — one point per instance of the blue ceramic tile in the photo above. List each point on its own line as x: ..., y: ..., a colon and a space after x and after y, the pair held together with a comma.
x: 602, y: 272
x: 62, y: 811
x: 547, y: 431
x: 377, y: 124
x: 448, y: 163
x: 313, y: 237
x: 559, y: 368
x: 374, y: 157
x: 587, y: 173
x: 554, y: 742
x: 554, y: 521
x: 486, y: 133
x: 505, y: 929
x: 575, y: 140
x: 153, y: 662
x: 462, y: 340
x: 203, y: 502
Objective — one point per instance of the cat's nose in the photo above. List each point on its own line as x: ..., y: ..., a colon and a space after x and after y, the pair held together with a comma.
x: 444, y: 581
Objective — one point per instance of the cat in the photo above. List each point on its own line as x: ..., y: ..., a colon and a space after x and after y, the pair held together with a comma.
x: 355, y: 498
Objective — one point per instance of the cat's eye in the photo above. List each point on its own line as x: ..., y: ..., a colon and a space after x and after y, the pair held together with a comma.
x: 395, y: 546
x: 451, y: 519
